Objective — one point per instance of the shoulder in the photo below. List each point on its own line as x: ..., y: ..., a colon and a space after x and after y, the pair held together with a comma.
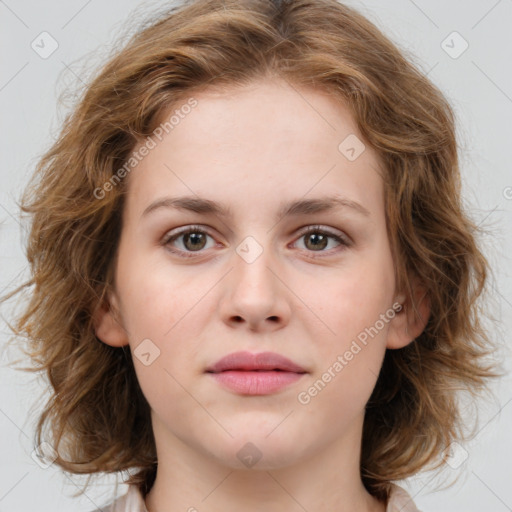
x: 400, y: 501
x: 131, y: 501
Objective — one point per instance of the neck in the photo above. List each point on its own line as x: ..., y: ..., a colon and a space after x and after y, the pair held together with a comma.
x: 327, y: 480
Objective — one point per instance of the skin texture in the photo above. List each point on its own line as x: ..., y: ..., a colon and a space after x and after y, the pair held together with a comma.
x: 252, y: 149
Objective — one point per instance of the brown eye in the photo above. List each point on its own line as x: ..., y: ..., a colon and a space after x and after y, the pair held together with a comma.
x: 192, y: 239
x: 317, y: 239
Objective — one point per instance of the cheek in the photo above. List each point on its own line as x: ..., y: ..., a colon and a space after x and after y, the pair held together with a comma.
x: 157, y: 297
x: 165, y: 316
x: 171, y: 309
x: 351, y: 351
x: 354, y: 298
x: 353, y: 311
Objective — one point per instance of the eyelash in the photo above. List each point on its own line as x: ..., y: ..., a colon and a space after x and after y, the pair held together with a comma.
x: 198, y: 229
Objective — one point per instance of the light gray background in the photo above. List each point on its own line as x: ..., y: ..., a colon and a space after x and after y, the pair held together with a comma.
x: 478, y: 84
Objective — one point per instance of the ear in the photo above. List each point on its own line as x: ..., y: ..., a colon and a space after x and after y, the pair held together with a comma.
x: 108, y: 325
x: 410, y: 321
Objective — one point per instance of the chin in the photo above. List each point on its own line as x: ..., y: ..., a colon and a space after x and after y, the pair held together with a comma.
x: 254, y: 450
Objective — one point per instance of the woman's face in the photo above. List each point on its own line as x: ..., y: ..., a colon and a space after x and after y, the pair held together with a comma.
x: 248, y: 277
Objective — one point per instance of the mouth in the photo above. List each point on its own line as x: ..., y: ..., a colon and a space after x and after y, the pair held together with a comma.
x: 255, y: 382
x: 263, y: 361
x: 255, y: 374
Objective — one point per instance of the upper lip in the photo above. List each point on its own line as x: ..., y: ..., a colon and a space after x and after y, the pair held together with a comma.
x: 261, y: 361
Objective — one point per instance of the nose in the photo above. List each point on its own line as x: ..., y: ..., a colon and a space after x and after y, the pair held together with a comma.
x: 256, y: 296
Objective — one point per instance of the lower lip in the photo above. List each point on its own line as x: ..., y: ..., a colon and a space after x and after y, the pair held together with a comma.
x: 256, y: 382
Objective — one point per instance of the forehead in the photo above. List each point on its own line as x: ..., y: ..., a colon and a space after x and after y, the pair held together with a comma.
x: 247, y: 143
x: 264, y: 116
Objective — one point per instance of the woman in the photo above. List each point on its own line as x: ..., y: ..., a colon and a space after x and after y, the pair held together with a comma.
x: 254, y: 283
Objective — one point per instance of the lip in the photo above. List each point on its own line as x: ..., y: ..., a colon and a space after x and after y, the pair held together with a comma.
x: 255, y: 374
x: 251, y: 362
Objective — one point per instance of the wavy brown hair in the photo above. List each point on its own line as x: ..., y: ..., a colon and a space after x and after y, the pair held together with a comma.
x: 97, y: 417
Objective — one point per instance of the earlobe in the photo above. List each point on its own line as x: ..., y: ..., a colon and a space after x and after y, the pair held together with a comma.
x: 411, y: 320
x: 108, y: 326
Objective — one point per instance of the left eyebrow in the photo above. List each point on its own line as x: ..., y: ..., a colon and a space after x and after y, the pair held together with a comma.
x: 300, y: 207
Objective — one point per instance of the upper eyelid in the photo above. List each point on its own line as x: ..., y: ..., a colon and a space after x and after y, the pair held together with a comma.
x: 345, y: 239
